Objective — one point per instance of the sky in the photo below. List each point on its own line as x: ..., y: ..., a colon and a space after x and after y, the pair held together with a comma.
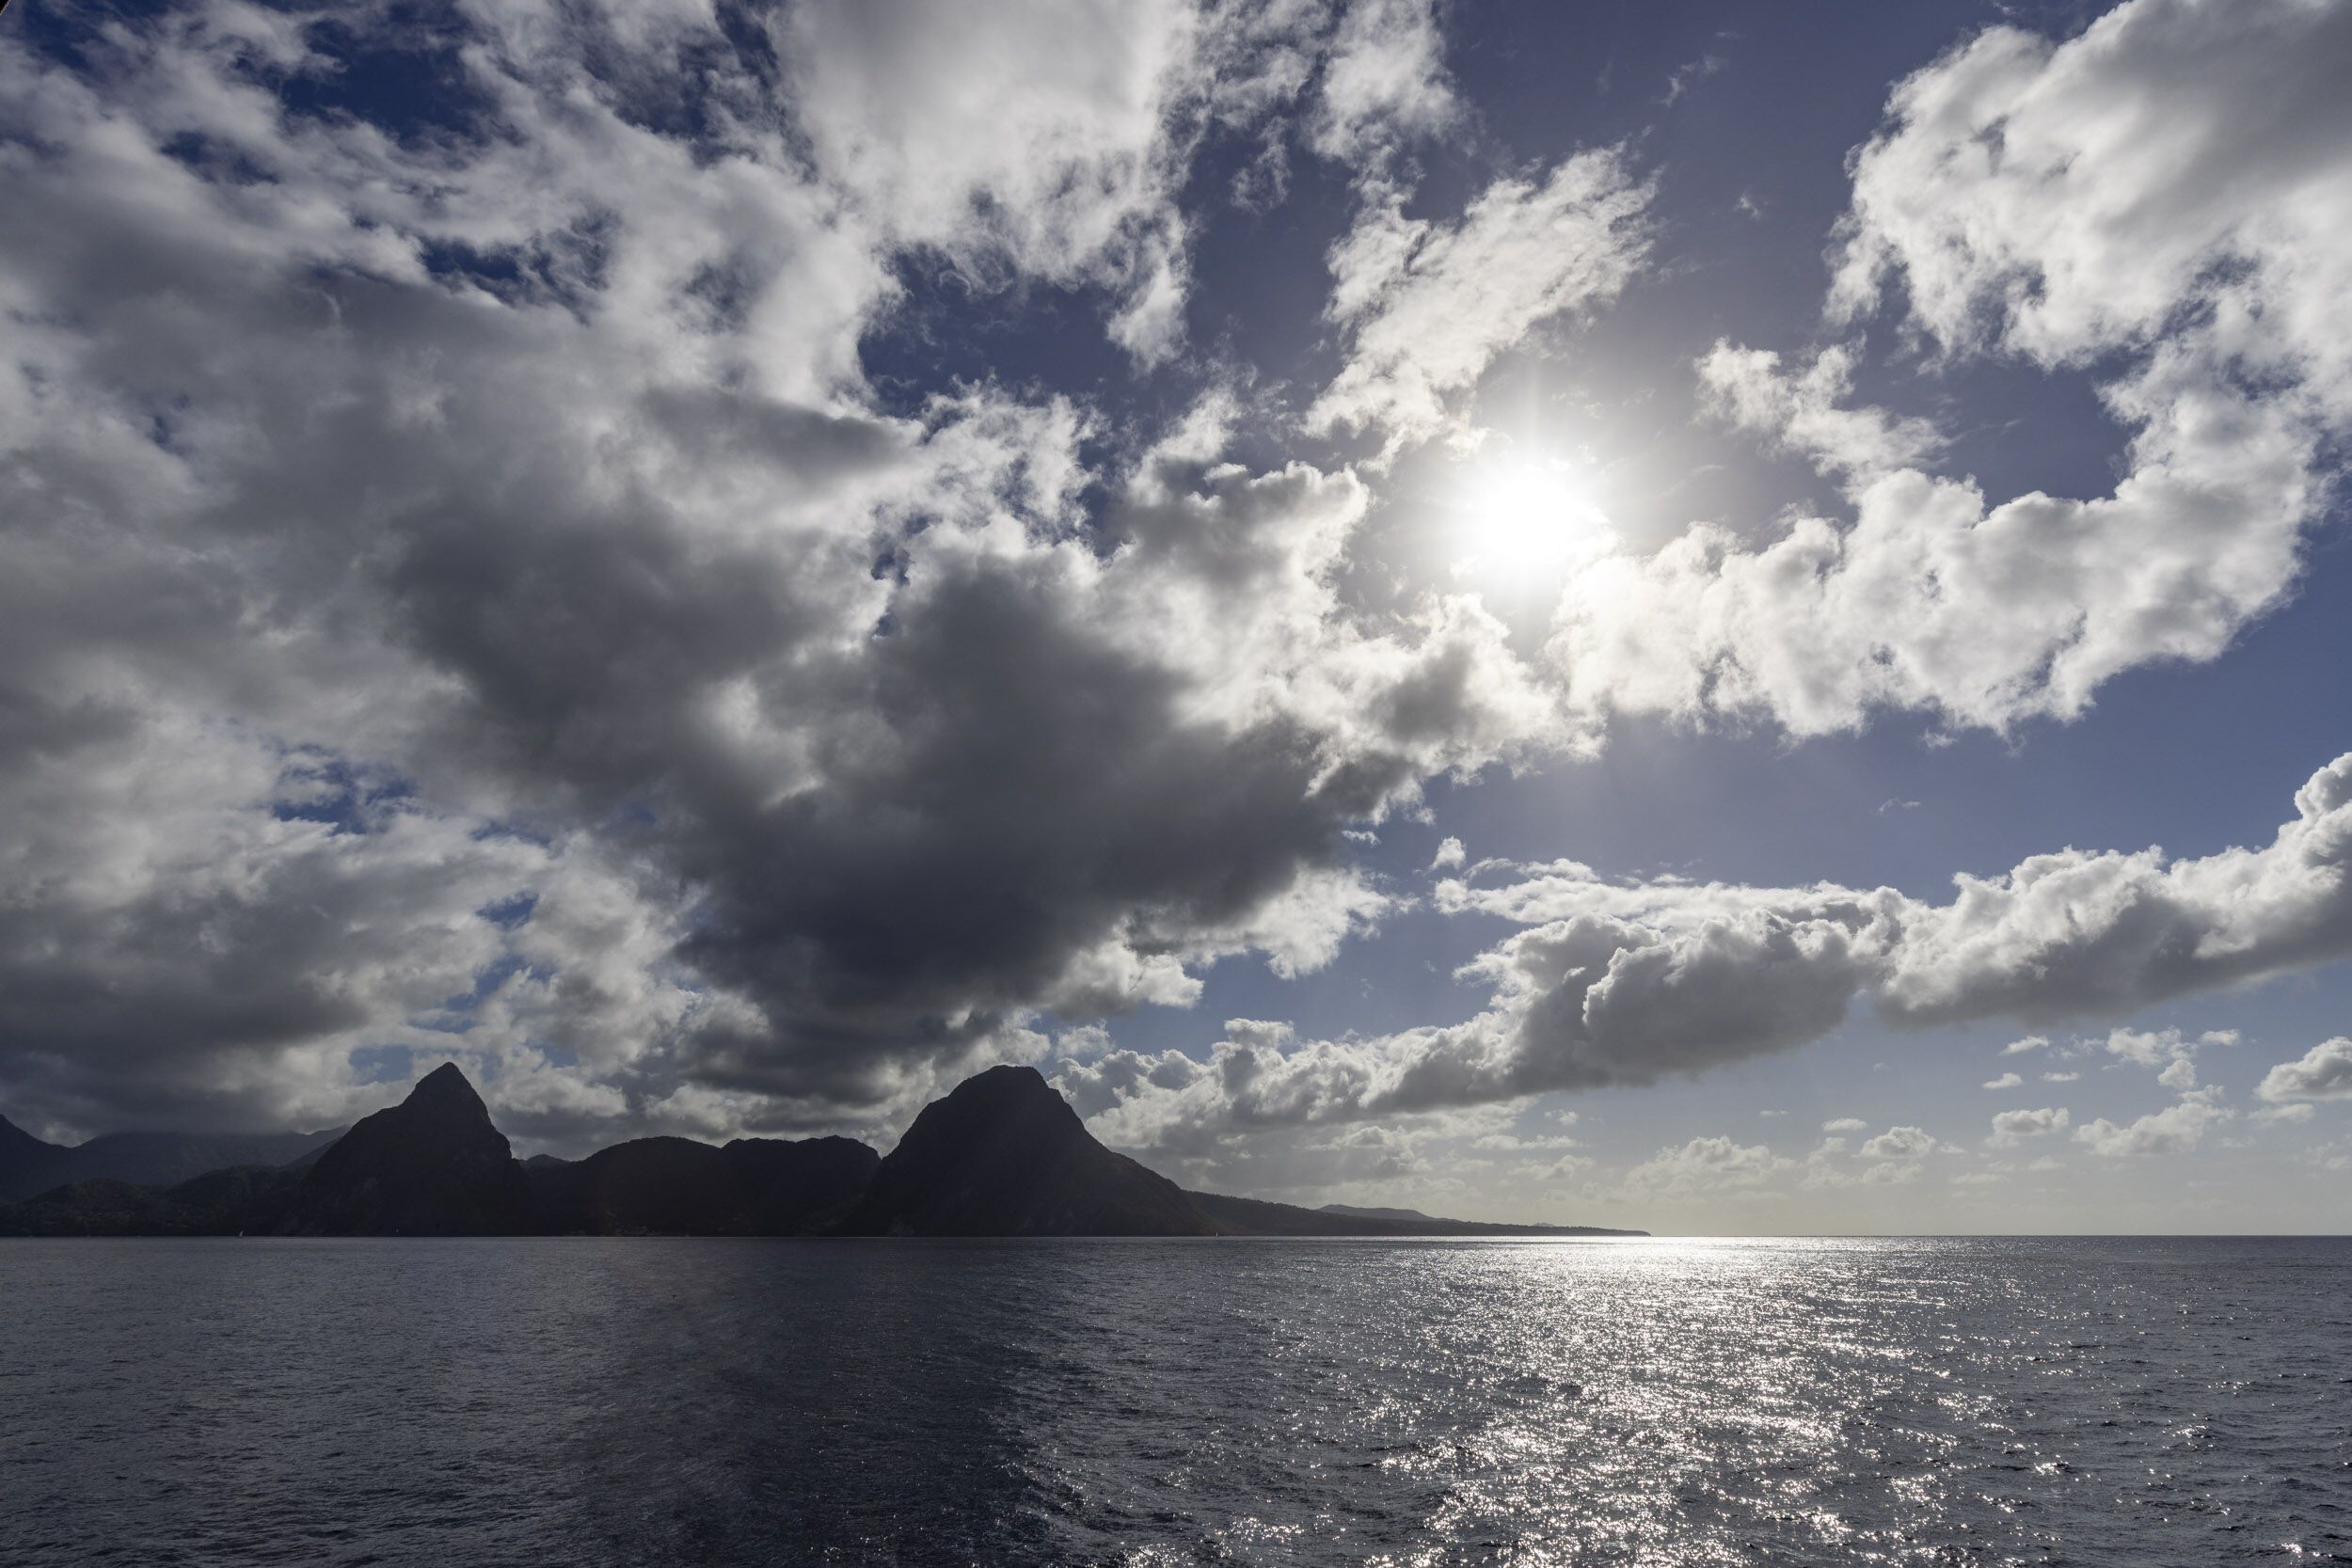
x: 1696, y: 617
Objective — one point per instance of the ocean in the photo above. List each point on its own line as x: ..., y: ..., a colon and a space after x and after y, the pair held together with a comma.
x: 458, y: 1403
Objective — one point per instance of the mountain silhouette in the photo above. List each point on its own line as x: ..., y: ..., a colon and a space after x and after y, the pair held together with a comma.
x: 21, y: 1157
x: 1005, y: 1155
x: 432, y: 1165
x: 143, y: 1159
x: 241, y: 1200
x: 1002, y: 1154
x: 1351, y: 1210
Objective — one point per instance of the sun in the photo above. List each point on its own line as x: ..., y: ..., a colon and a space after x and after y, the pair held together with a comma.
x: 1526, y: 513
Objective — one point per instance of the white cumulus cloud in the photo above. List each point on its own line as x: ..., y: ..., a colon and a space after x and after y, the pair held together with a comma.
x: 2322, y: 1073
x: 2129, y: 202
x: 2176, y: 1128
x: 2013, y: 1127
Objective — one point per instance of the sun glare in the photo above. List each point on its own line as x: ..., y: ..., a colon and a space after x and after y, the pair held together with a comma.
x: 1523, y: 513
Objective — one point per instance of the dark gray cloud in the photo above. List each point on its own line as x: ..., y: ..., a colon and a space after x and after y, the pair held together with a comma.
x: 460, y: 592
x: 461, y: 596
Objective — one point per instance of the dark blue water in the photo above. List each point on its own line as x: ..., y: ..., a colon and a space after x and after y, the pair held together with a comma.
x: 562, y: 1402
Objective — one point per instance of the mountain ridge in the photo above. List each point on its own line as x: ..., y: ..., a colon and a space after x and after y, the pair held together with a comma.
x: 29, y: 1165
x: 677, y: 1186
x: 1001, y: 1154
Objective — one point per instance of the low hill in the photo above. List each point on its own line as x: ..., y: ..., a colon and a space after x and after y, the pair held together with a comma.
x: 675, y: 1186
x: 1416, y: 1223
x: 250, y: 1199
x: 1249, y: 1217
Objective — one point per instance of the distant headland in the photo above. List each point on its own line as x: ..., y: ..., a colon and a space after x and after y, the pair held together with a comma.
x: 1003, y: 1154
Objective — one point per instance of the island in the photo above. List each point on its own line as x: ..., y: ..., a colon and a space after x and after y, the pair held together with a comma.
x: 1003, y: 1154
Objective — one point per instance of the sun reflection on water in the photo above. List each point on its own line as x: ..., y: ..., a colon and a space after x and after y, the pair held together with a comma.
x: 1660, y: 1402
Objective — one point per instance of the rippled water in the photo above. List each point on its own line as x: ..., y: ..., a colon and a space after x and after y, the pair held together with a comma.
x: 1673, y: 1402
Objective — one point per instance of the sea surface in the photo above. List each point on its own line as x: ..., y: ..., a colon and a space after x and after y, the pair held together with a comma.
x: 647, y: 1402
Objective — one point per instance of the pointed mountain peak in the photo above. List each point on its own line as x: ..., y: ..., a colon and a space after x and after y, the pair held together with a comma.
x: 435, y: 1165
x: 447, y: 1085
